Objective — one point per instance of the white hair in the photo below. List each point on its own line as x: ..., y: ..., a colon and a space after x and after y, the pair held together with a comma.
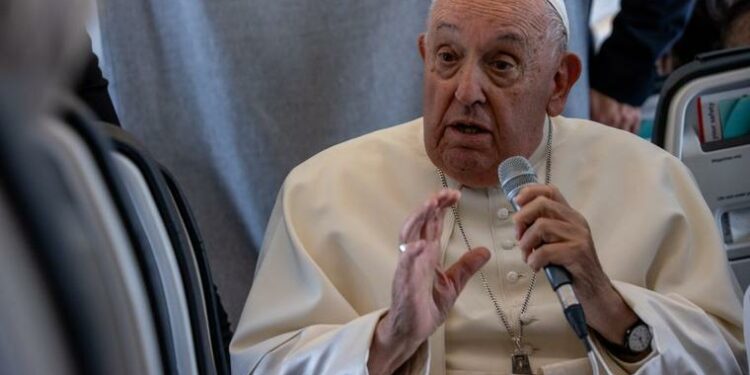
x: 557, y: 30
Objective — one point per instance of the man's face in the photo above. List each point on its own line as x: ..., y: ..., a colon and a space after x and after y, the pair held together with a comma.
x: 489, y: 71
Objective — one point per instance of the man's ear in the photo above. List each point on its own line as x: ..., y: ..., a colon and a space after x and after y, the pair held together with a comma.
x: 421, y: 44
x: 566, y: 76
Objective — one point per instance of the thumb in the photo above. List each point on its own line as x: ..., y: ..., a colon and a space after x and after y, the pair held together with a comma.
x: 461, y: 271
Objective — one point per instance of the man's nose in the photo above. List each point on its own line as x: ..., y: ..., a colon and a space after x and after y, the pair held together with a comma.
x: 470, y: 89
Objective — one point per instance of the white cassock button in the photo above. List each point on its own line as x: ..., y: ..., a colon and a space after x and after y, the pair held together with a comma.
x: 508, y: 244
x: 512, y: 276
x: 503, y: 213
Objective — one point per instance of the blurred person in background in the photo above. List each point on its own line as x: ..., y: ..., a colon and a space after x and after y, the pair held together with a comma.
x: 714, y: 25
x: 623, y: 71
x: 737, y: 30
x: 649, y: 41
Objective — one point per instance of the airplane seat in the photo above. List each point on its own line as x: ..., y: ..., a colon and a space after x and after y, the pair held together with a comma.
x: 31, y: 318
x: 703, y: 118
x: 175, y: 239
x: 82, y: 158
x: 149, y: 241
x: 72, y: 302
x: 163, y: 245
x: 220, y: 328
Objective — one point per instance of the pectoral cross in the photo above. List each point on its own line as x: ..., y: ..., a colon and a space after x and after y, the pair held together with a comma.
x: 520, y: 364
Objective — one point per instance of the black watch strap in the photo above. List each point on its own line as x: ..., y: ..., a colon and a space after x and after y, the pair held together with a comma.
x: 624, y: 352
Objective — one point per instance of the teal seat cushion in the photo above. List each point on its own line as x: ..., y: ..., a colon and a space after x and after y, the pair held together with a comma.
x: 736, y: 116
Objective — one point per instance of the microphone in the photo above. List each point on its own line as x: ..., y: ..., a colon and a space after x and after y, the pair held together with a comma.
x: 515, y: 173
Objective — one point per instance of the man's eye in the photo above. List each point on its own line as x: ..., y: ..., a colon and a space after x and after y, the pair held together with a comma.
x: 502, y: 65
x: 447, y: 57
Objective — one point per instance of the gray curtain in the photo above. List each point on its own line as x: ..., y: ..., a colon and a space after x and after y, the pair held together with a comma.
x: 230, y: 95
x: 579, y: 12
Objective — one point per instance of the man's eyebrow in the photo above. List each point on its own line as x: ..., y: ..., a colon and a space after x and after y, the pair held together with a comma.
x: 445, y: 25
x: 511, y: 37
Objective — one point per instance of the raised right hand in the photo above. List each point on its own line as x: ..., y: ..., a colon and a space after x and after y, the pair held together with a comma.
x: 422, y: 291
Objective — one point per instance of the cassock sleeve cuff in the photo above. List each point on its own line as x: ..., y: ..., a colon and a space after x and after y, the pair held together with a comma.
x: 418, y: 364
x: 618, y: 366
x: 630, y: 367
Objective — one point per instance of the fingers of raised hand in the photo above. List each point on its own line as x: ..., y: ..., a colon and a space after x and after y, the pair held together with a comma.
x: 465, y: 267
x: 426, y: 221
x: 434, y: 225
x: 413, y: 249
x: 411, y: 231
x: 451, y: 282
x: 415, y: 270
x: 447, y: 197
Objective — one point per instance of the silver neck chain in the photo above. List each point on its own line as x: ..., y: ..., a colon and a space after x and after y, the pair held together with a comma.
x: 515, y: 336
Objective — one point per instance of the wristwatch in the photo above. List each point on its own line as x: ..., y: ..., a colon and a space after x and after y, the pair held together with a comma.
x: 638, y: 338
x: 637, y: 343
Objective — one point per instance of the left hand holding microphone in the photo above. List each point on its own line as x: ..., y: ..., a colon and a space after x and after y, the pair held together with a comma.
x: 550, y: 231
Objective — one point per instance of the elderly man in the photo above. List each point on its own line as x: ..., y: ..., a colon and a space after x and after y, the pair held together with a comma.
x: 343, y: 287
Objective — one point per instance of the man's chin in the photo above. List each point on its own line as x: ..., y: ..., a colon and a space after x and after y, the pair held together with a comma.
x: 470, y: 168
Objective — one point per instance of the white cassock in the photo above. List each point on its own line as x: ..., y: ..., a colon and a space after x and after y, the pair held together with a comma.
x: 331, y: 248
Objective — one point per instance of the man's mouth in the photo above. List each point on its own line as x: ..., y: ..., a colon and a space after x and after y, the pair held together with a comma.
x: 466, y: 128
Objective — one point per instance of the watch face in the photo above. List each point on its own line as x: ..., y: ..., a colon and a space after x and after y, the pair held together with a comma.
x: 639, y: 339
